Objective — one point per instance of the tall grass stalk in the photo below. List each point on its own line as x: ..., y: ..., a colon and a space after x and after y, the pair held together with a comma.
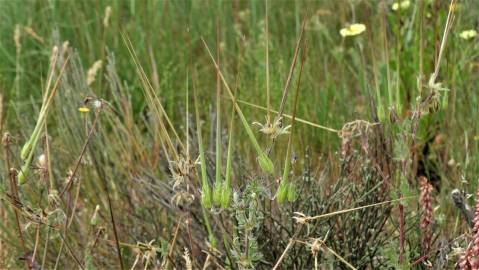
x: 264, y: 161
x: 205, y: 187
x: 218, y: 186
x: 286, y: 189
x: 155, y: 104
x: 29, y: 147
x: 268, y: 97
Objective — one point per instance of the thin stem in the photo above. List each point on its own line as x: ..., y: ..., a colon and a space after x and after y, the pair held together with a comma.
x: 268, y: 97
x: 238, y: 109
x: 291, y: 70
x: 90, y: 133
x: 14, y: 191
x: 45, y: 249
x: 218, y: 109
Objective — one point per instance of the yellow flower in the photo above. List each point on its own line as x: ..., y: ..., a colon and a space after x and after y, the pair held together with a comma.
x: 352, y: 30
x: 83, y: 109
x: 468, y: 34
x: 402, y: 5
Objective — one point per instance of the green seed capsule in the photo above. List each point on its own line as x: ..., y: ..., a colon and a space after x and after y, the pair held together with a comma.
x: 381, y: 114
x: 282, y: 193
x: 26, y: 150
x: 212, y: 240
x: 291, y: 192
x: 265, y: 163
x: 217, y: 190
x: 206, y: 197
x: 226, y: 196
x: 23, y: 174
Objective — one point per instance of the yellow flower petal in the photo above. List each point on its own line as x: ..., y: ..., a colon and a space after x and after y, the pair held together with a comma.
x: 402, y: 5
x: 353, y: 30
x: 468, y: 34
x: 83, y: 109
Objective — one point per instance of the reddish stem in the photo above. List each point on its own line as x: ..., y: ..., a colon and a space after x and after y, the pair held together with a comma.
x: 401, y: 231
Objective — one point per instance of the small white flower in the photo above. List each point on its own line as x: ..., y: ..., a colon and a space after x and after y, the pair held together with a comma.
x: 42, y: 161
x: 402, y: 5
x: 352, y: 30
x: 97, y: 104
x: 468, y: 34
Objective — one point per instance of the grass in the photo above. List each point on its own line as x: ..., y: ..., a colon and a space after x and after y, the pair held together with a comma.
x: 169, y: 164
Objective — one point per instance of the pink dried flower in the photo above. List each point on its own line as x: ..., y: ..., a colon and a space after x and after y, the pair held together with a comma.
x: 426, y: 217
x: 475, y: 247
x: 465, y: 260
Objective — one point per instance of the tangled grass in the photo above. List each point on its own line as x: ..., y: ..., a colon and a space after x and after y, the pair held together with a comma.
x: 153, y: 156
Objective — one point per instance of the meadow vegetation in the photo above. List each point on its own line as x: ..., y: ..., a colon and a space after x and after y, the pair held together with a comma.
x: 239, y: 134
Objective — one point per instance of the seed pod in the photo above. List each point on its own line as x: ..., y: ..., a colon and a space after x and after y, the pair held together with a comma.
x: 26, y: 150
x: 217, y: 190
x: 265, y: 163
x: 23, y: 174
x: 206, y: 197
x: 226, y: 196
x: 282, y: 192
x: 212, y: 240
x: 381, y: 114
x: 291, y: 192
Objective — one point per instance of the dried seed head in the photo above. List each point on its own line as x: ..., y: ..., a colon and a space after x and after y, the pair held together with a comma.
x: 183, y: 198
x: 17, y: 34
x: 106, y: 19
x: 65, y: 47
x: 53, y: 199
x: 300, y: 218
x: 315, y: 246
x: 54, y: 56
x: 92, y: 71
x: 186, y: 257
x: 33, y: 34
